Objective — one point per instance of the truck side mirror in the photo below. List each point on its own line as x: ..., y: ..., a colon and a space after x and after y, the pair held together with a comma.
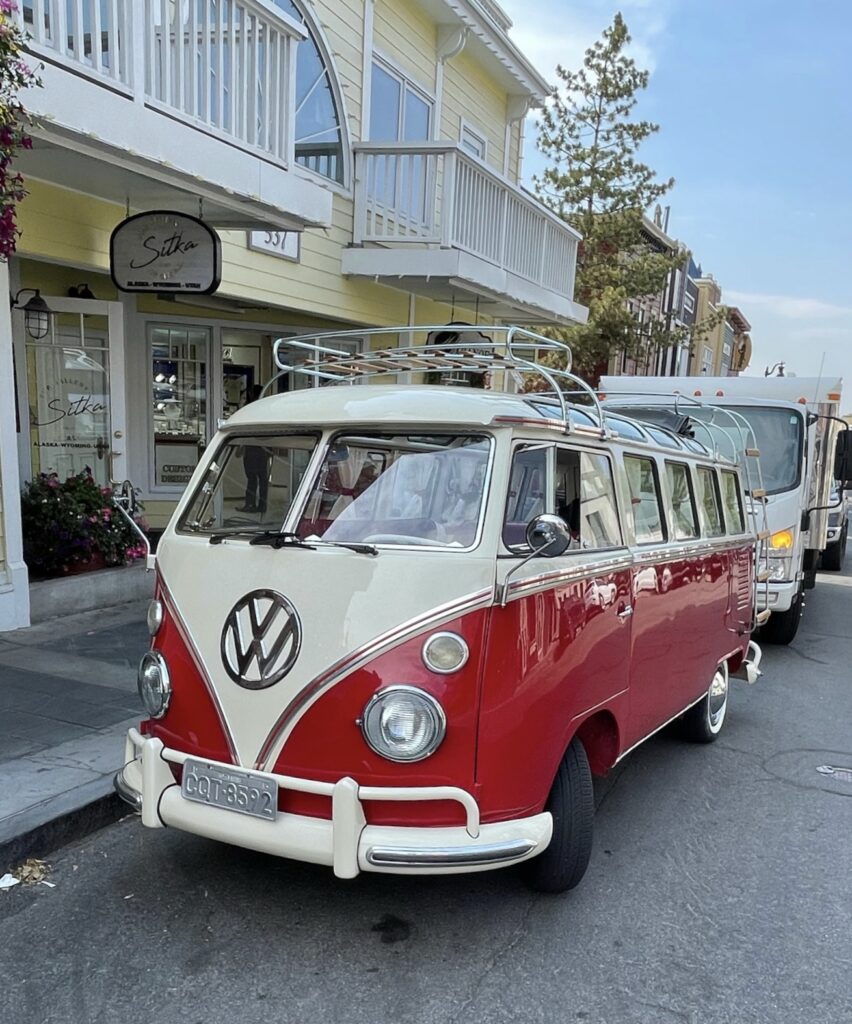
x: 843, y: 459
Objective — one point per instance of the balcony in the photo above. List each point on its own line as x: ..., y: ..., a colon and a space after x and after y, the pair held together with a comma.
x: 431, y: 219
x: 172, y: 104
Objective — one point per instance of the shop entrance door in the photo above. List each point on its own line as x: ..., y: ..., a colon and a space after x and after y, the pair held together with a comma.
x: 74, y: 388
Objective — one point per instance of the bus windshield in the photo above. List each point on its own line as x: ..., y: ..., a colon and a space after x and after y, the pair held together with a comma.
x: 776, y: 433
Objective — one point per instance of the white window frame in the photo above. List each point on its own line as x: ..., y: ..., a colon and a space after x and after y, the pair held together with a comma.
x: 406, y: 82
x: 467, y: 131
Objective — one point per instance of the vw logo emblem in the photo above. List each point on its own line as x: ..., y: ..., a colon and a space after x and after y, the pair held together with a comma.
x: 261, y: 639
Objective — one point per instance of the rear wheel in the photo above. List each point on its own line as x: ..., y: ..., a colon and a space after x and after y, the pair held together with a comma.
x: 704, y: 720
x: 572, y: 804
x: 834, y: 556
x: 783, y: 626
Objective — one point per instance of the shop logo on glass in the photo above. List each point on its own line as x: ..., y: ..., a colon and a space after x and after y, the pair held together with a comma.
x: 261, y: 639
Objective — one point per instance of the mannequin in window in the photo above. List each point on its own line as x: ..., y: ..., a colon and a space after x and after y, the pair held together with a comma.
x: 256, y: 468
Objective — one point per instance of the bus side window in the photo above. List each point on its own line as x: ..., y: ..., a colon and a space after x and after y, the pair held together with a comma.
x: 683, y: 501
x: 645, y: 499
x: 526, y: 495
x: 709, y: 503
x: 599, y: 525
x: 732, y: 502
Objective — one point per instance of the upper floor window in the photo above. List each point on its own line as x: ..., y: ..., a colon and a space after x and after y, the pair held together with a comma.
x: 399, y: 111
x: 319, y: 134
x: 707, y: 360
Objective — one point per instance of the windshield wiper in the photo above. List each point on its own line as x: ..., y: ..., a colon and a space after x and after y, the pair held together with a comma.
x: 274, y: 538
x: 362, y: 549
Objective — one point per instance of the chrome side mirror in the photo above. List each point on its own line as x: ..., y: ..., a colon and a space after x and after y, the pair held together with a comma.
x: 548, y: 535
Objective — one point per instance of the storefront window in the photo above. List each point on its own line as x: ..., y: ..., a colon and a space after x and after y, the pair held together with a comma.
x: 69, y: 399
x: 178, y: 359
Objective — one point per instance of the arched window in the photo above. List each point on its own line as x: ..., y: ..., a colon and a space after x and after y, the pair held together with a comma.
x: 319, y: 132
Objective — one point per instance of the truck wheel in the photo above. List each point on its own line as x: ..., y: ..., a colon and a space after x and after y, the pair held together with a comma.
x: 703, y: 722
x: 572, y: 804
x: 833, y: 556
x: 783, y: 626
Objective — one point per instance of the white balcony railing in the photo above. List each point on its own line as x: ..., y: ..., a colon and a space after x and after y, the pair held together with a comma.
x: 434, y: 194
x: 224, y: 66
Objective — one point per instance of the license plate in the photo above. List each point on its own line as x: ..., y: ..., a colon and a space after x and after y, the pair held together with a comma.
x: 231, y: 788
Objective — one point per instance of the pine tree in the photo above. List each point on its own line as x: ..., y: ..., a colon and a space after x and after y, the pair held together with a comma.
x: 596, y: 183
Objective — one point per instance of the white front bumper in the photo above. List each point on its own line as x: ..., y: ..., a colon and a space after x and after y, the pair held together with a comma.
x: 780, y: 595
x: 345, y: 843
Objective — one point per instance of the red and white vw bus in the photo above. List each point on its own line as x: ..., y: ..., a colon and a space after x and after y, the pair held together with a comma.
x: 398, y: 627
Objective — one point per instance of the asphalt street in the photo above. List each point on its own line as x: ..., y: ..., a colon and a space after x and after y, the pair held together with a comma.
x: 720, y: 890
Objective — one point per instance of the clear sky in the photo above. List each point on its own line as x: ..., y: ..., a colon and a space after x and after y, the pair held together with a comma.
x: 754, y: 102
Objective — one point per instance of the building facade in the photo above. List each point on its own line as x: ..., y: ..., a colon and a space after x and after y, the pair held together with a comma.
x: 359, y: 161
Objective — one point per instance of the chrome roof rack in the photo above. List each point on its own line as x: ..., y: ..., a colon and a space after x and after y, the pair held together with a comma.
x: 513, y: 350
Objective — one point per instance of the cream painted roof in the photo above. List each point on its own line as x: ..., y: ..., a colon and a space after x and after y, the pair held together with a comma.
x: 377, y: 404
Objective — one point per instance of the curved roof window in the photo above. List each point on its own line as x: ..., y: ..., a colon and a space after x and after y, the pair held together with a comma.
x: 319, y: 134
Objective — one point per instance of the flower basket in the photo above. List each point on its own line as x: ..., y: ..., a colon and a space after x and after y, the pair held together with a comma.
x: 75, y: 526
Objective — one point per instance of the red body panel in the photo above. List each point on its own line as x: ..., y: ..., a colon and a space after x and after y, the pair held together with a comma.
x: 327, y: 743
x: 552, y: 657
x: 192, y: 723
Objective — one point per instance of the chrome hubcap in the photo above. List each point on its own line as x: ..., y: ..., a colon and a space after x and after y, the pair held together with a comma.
x: 717, y: 699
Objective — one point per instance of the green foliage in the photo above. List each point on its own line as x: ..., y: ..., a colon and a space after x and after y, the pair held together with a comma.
x: 66, y: 524
x: 596, y: 183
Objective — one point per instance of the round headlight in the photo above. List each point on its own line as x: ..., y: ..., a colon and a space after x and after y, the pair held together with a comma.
x: 403, y: 723
x: 154, y: 616
x: 155, y: 688
x: 445, y: 652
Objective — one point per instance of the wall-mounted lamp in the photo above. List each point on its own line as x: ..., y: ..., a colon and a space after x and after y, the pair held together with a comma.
x: 37, y: 313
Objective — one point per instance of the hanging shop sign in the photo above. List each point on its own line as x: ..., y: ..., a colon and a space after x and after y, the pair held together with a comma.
x: 163, y: 251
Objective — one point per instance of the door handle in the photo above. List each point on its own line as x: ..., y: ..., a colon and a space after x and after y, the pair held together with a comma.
x: 626, y: 612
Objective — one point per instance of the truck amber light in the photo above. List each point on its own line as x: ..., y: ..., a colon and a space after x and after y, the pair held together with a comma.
x: 782, y: 540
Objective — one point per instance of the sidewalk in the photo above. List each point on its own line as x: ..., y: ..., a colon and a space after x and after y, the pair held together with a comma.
x: 67, y: 695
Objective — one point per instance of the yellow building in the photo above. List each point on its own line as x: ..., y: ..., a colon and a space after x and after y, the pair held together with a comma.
x: 726, y: 349
x: 359, y: 161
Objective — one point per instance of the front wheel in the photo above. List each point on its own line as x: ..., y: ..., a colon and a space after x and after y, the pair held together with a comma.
x: 783, y: 626
x: 704, y: 720
x: 572, y: 804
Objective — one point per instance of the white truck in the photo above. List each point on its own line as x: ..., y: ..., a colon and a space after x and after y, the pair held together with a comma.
x: 794, y: 423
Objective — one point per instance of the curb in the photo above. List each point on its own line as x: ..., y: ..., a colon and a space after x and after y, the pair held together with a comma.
x: 66, y: 828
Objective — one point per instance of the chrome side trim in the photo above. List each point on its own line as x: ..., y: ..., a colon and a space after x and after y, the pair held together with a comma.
x: 573, y: 574
x: 378, y: 645
x: 180, y: 625
x: 661, y: 554
x: 411, y: 857
x: 127, y: 794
